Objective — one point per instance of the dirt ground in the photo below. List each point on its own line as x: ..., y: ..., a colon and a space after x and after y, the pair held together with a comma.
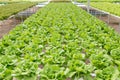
x: 112, y: 22
x: 12, y: 21
x: 7, y: 25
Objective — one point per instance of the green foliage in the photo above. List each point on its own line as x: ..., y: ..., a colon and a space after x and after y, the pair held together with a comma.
x: 60, y: 42
x: 101, y: 61
x: 115, y: 53
x: 99, y: 0
x: 112, y: 8
x: 13, y: 8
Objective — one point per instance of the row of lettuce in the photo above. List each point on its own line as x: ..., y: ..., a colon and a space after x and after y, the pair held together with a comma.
x: 60, y: 42
x: 113, y: 8
x: 13, y: 8
x: 99, y: 0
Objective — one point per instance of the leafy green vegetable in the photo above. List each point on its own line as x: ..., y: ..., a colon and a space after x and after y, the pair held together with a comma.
x: 107, y: 6
x: 13, y: 8
x: 115, y: 54
x: 60, y: 42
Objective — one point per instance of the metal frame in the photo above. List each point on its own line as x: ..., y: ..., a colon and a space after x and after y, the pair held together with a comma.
x: 88, y: 6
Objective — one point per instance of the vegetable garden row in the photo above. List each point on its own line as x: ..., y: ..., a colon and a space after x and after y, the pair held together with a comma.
x: 99, y: 0
x: 113, y: 8
x: 13, y: 8
x: 60, y: 42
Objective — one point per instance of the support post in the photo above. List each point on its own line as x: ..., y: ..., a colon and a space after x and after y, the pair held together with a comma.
x: 75, y: 1
x: 108, y: 18
x: 48, y: 1
x: 88, y: 6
